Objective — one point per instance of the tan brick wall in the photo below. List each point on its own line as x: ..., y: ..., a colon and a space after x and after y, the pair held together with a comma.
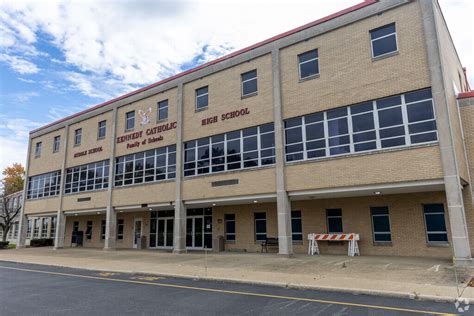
x: 250, y: 182
x: 89, y: 141
x: 98, y: 199
x: 44, y: 205
x: 403, y: 165
x: 467, y: 116
x: 406, y: 220
x: 48, y: 161
x: 225, y: 96
x: 348, y: 74
x: 169, y: 136
x: 161, y: 192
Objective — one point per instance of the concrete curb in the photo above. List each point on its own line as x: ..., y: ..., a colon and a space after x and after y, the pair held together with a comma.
x: 372, y: 292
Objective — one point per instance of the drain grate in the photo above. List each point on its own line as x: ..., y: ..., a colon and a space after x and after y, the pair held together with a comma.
x: 471, y: 283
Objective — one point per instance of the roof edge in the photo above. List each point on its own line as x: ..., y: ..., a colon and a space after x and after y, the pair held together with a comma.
x: 465, y: 95
x: 337, y: 14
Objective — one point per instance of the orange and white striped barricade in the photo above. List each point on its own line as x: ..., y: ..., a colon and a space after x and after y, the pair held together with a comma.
x: 353, y: 249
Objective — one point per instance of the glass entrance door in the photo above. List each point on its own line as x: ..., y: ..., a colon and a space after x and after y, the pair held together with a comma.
x: 165, y: 233
x: 195, y: 232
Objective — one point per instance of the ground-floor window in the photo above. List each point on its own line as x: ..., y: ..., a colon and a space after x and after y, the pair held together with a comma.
x: 52, y: 231
x: 120, y: 224
x: 102, y: 229
x: 435, y: 223
x: 28, y: 231
x: 89, y: 230
x: 381, y: 224
x: 229, y: 227
x: 260, y: 226
x: 75, y: 227
x: 199, y: 228
x: 15, y: 232
x: 44, y: 228
x: 296, y: 226
x: 334, y: 220
x: 36, y: 228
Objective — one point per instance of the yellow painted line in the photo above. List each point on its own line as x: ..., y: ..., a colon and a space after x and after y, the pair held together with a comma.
x: 232, y: 292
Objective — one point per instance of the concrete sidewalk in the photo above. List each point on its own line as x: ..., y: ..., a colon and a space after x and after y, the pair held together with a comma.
x: 422, y: 278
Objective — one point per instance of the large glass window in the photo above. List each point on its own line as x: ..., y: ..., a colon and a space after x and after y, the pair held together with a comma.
x: 435, y: 223
x: 380, y: 224
x: 36, y: 228
x: 308, y: 64
x: 202, y: 98
x: 130, y: 120
x: 163, y: 110
x: 296, y: 226
x: 249, y: 83
x: 251, y: 147
x: 52, y: 231
x: 395, y: 121
x: 260, y: 226
x: 89, y: 177
x: 56, y: 143
x: 334, y: 220
x: 383, y: 40
x: 229, y: 220
x: 28, y: 230
x: 146, y: 166
x: 44, y: 185
x: 77, y: 136
x: 44, y: 227
x: 102, y: 129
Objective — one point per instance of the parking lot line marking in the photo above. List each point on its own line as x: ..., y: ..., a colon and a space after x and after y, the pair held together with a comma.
x: 230, y: 291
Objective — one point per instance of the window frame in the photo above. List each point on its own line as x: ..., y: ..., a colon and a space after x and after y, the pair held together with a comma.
x: 232, y: 221
x: 242, y: 82
x: 103, y: 229
x: 120, y: 228
x: 100, y: 129
x: 77, y: 137
x: 74, y: 182
x: 299, y: 149
x: 201, y: 95
x: 36, y: 227
x: 129, y: 119
x: 300, y: 219
x: 427, y: 233
x: 255, y: 219
x: 43, y: 185
x: 307, y: 61
x: 384, y: 36
x: 52, y: 230
x: 89, y: 229
x: 38, y: 149
x: 374, y: 233
x: 56, y: 143
x: 334, y: 216
x: 44, y: 227
x: 160, y: 107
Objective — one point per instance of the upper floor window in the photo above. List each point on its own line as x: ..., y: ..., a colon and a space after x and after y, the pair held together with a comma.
x: 383, y: 40
x: 56, y: 143
x: 102, y: 129
x: 38, y: 149
x: 163, y: 110
x: 43, y: 185
x: 89, y: 177
x: 308, y: 64
x: 249, y: 83
x: 130, y: 120
x: 395, y: 121
x: 202, y: 98
x: 77, y: 136
x: 247, y: 148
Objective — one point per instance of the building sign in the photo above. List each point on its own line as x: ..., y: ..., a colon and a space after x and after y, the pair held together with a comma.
x: 135, y: 139
x: 225, y: 116
x: 88, y: 152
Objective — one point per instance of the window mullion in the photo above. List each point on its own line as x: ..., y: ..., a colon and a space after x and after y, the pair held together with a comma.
x: 375, y: 115
x: 350, y: 131
x: 326, y: 134
x: 303, y: 137
x: 405, y: 121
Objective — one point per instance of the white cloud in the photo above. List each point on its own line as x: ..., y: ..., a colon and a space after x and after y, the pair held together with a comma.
x: 19, y: 65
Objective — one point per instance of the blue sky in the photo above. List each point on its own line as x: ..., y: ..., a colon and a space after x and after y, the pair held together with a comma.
x: 60, y: 57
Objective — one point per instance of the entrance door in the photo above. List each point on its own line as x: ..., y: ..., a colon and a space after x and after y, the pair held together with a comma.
x: 165, y: 233
x: 195, y: 232
x: 137, y: 232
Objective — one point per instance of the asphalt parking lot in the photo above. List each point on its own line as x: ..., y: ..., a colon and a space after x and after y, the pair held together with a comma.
x: 45, y: 290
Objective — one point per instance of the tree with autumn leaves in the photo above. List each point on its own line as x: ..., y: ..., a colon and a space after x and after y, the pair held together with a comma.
x: 12, y: 182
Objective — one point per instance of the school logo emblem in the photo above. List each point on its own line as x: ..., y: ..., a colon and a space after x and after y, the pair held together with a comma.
x: 145, y: 116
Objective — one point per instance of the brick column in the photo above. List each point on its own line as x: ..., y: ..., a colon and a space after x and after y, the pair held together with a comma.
x: 111, y: 214
x: 22, y: 225
x: 60, y: 230
x: 179, y: 232
x: 285, y: 241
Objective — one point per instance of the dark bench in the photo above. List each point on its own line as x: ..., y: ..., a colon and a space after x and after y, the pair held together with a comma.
x: 269, y: 242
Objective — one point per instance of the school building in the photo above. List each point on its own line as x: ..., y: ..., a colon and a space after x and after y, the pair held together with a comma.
x: 360, y: 122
